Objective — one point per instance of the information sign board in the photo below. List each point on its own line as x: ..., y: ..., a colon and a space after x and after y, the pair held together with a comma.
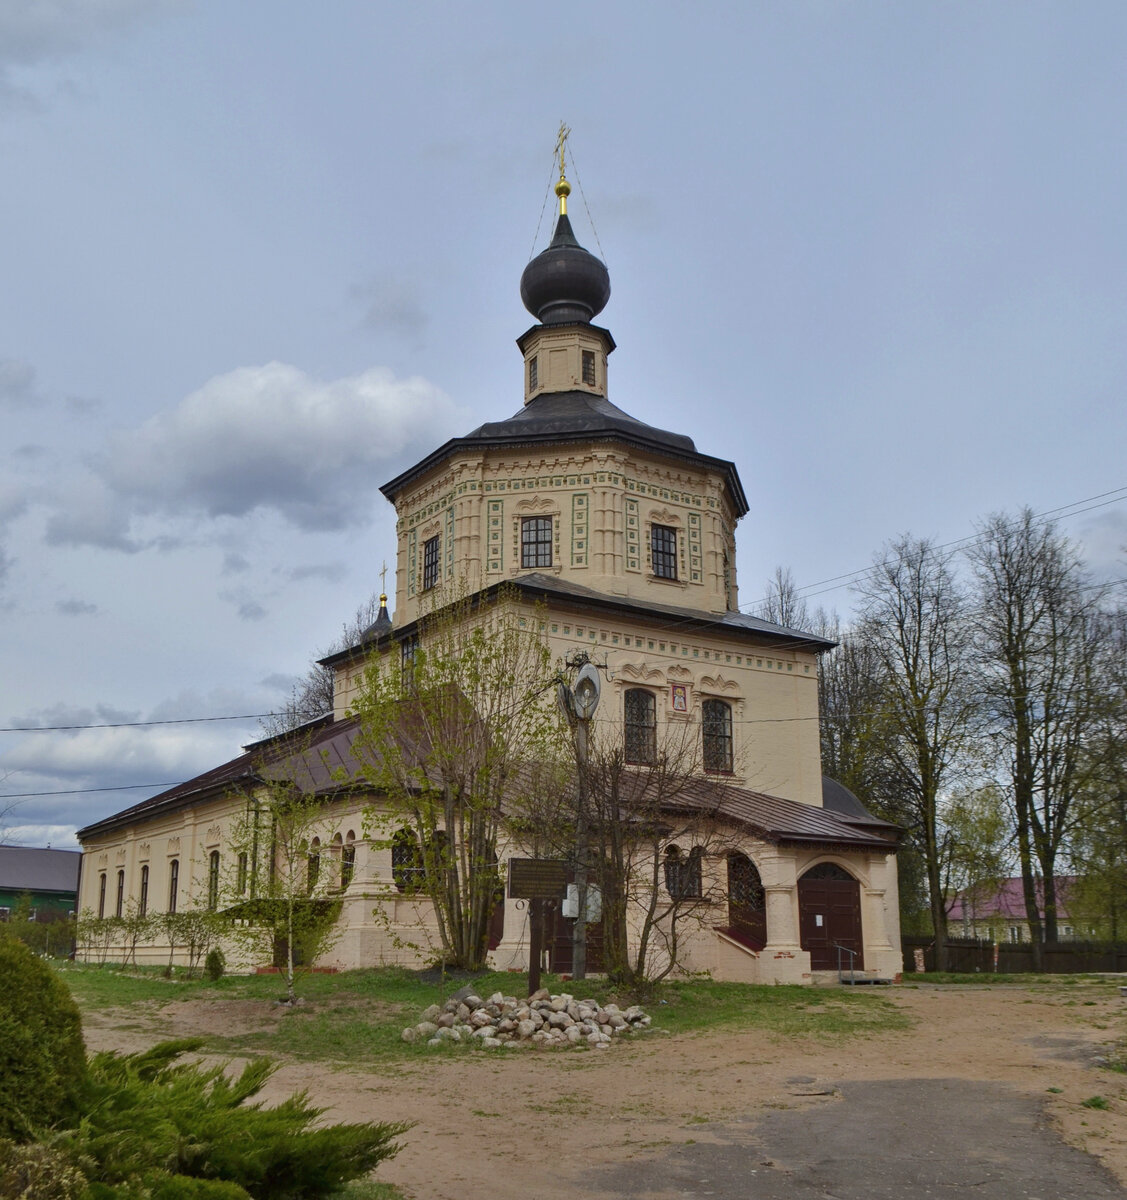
x: 537, y: 879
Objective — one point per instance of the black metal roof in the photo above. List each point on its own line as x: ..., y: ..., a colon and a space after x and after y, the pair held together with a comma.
x: 30, y: 869
x: 555, y: 418
x: 538, y: 586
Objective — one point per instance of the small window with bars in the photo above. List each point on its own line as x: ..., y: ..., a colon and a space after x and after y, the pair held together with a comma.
x: 640, y: 721
x: 431, y: 549
x: 533, y: 373
x: 716, y: 730
x: 536, y: 542
x: 589, y: 367
x: 663, y: 551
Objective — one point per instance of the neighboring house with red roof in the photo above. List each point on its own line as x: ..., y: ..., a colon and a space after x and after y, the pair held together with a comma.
x: 998, y: 913
x: 615, y: 540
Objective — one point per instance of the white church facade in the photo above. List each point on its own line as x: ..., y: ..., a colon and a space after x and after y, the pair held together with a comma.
x: 615, y: 539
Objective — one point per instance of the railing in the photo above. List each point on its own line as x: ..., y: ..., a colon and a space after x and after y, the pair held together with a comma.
x: 852, y: 958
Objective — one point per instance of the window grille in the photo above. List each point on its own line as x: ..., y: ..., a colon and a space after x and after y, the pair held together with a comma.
x: 536, y: 542
x: 213, y: 881
x: 716, y: 730
x: 683, y: 876
x: 173, y: 883
x: 120, y: 906
x: 313, y: 866
x: 640, y: 713
x: 241, y: 875
x: 589, y: 367
x: 663, y: 551
x: 348, y: 862
x: 101, y: 895
x: 430, y: 562
x: 143, y: 908
x: 533, y: 374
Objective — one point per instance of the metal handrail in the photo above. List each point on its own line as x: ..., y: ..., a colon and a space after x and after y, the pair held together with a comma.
x: 852, y: 958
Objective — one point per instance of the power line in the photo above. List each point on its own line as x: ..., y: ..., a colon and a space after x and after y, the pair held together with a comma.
x: 122, y: 787
x: 133, y: 724
x: 834, y: 582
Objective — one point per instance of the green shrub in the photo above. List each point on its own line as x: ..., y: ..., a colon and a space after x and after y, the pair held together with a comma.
x: 35, y: 1172
x: 42, y: 1058
x: 147, y: 1113
x: 215, y: 964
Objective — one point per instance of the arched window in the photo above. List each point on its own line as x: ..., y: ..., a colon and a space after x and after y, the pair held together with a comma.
x: 313, y: 869
x: 828, y: 870
x: 348, y: 860
x: 640, y: 719
x: 406, y: 861
x: 683, y: 875
x: 120, y: 893
x: 144, y: 905
x: 747, y: 910
x: 173, y: 883
x: 716, y: 733
x: 101, y: 895
x: 213, y: 881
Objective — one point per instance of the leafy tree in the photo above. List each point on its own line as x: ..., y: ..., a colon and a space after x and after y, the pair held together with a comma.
x: 978, y: 832
x: 452, y: 726
x: 1043, y: 646
x: 915, y: 623
x: 284, y: 911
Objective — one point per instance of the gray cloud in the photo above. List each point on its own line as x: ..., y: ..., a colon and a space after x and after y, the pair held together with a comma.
x: 90, y: 514
x: 31, y: 32
x: 330, y: 572
x: 69, y: 715
x: 251, y: 610
x: 30, y: 451
x: 278, y: 682
x: 393, y: 306
x: 17, y: 378
x: 75, y: 608
x: 37, y: 31
x: 258, y: 438
x: 234, y: 564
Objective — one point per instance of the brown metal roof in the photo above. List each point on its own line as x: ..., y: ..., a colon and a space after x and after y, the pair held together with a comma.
x: 323, y: 758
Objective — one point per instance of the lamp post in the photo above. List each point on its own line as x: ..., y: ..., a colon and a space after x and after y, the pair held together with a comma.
x: 579, y: 704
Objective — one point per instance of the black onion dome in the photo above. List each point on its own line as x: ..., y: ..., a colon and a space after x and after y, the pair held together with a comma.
x: 565, y: 284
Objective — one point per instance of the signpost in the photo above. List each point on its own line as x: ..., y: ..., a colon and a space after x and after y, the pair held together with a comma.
x: 536, y: 880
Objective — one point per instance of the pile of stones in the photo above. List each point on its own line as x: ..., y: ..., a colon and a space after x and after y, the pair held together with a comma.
x: 541, y: 1020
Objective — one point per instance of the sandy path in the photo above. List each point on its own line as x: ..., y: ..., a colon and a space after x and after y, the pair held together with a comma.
x: 515, y: 1124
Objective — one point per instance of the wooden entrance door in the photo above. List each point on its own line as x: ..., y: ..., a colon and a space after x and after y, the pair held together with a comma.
x: 829, y: 915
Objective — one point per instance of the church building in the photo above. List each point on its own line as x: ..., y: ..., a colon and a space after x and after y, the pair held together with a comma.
x: 621, y: 538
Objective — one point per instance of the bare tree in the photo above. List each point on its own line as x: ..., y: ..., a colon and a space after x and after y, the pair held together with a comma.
x: 914, y: 620
x: 654, y: 838
x: 782, y: 604
x: 1042, y: 647
x: 312, y: 695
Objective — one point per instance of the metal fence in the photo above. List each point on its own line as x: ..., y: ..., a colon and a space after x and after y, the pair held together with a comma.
x: 975, y: 955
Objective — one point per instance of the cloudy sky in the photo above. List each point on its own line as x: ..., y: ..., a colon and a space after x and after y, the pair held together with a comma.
x: 258, y: 257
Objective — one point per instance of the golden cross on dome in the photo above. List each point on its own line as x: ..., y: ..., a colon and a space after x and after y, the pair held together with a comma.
x: 563, y: 188
x: 383, y: 579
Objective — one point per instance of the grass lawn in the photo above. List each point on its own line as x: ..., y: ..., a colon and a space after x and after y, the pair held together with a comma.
x: 1003, y: 979
x: 356, y: 1017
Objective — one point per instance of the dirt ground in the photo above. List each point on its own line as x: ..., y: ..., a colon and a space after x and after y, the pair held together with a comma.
x: 555, y: 1124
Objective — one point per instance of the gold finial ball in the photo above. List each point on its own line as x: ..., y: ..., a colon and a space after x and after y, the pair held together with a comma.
x: 563, y: 188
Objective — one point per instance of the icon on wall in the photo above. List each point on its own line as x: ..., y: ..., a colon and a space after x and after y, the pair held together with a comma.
x: 679, y: 697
